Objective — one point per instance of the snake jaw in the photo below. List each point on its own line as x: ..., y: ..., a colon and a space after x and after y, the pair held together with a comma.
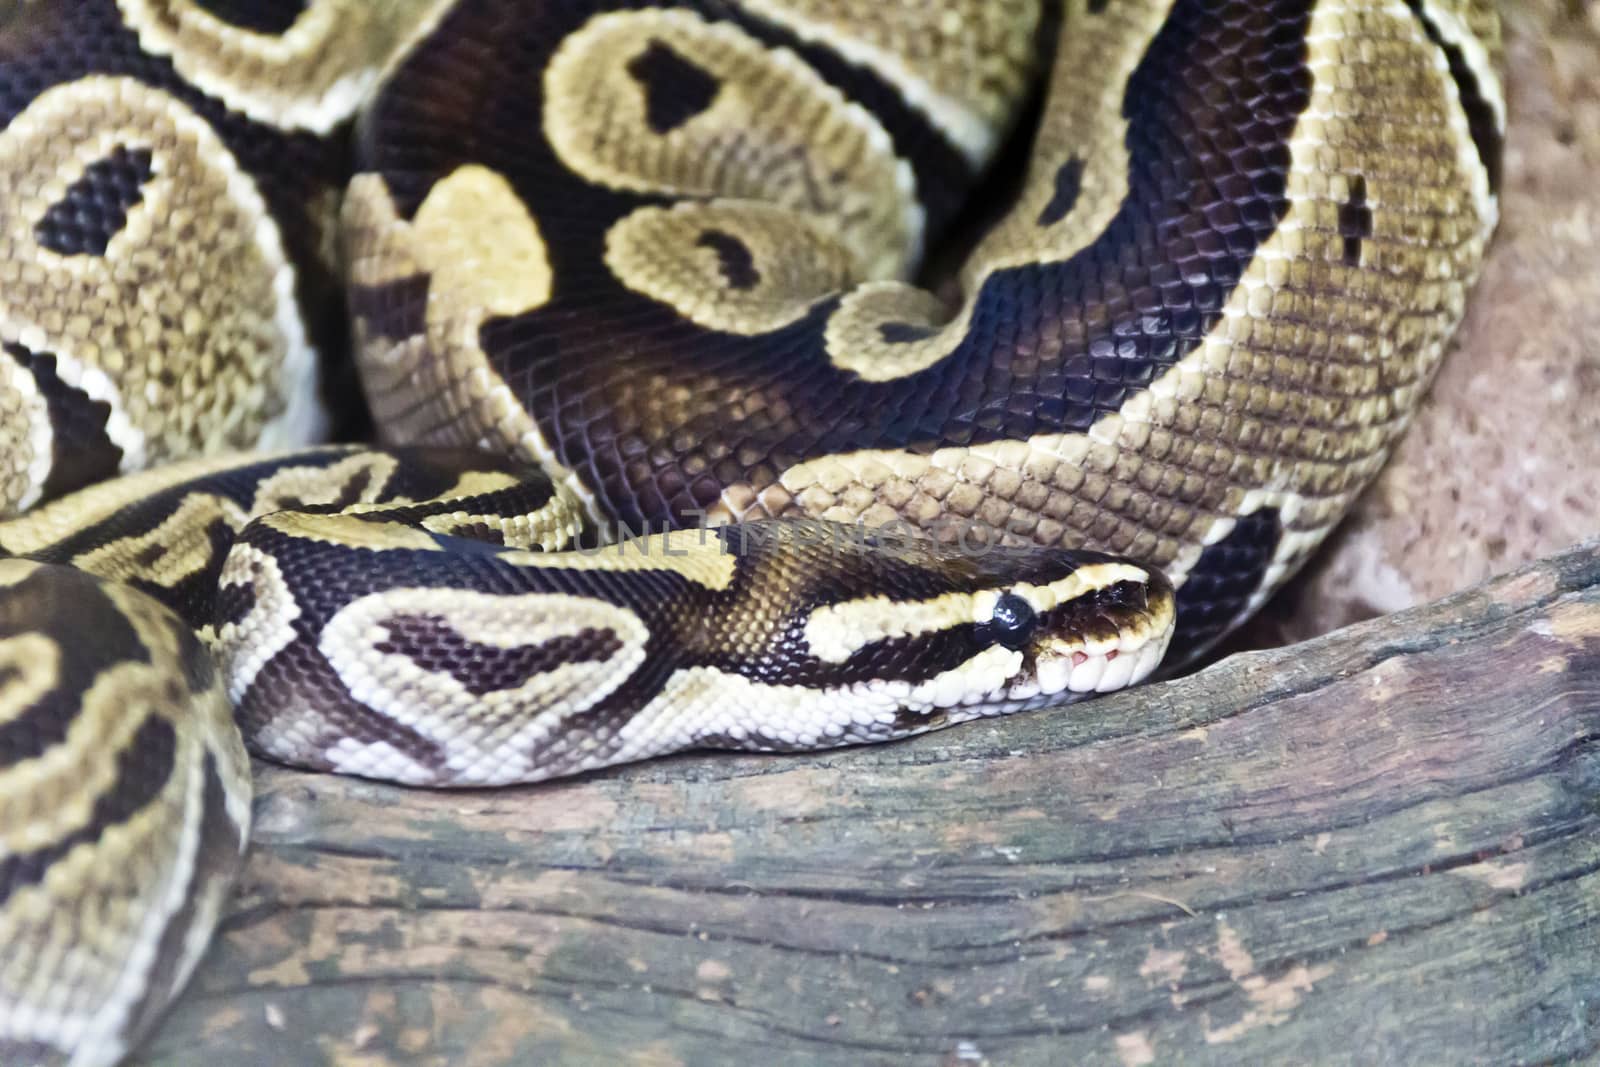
x: 1052, y: 626
x: 1104, y: 626
x: 1107, y: 639
x: 1066, y: 668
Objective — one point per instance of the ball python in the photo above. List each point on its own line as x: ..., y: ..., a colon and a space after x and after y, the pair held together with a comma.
x: 684, y: 432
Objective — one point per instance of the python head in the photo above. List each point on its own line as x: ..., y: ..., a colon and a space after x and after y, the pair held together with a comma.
x: 898, y: 634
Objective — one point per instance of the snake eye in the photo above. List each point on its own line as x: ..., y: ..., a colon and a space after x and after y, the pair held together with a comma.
x: 1013, y: 621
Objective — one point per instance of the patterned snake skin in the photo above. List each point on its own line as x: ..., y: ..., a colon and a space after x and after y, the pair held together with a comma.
x: 973, y: 432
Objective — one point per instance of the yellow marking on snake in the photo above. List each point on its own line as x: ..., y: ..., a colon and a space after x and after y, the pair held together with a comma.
x: 306, y: 485
x: 497, y: 727
x: 963, y: 64
x: 311, y: 77
x: 48, y: 525
x: 835, y: 632
x: 244, y: 646
x: 350, y: 531
x: 446, y: 366
x: 482, y: 245
x: 28, y: 664
x: 672, y: 255
x: 691, y: 554
x: 176, y: 549
x: 553, y: 527
x: 841, y: 171
x: 132, y: 316
x: 26, y: 437
x: 704, y: 702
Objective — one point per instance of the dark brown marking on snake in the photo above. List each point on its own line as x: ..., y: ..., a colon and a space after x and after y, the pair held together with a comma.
x: 1069, y: 183
x: 920, y: 719
x: 81, y: 452
x: 1102, y: 612
x: 217, y: 855
x: 479, y: 531
x: 1355, y: 221
x: 1481, y: 120
x: 427, y: 472
x: 95, y: 208
x: 738, y: 266
x: 273, y: 17
x: 322, y: 580
x: 143, y: 767
x: 394, y: 311
x: 675, y: 89
x: 233, y: 604
x: 352, y: 490
x: 193, y: 596
x: 149, y: 555
x: 434, y: 645
x: 36, y: 729
x: 1223, y: 581
x: 897, y: 333
x: 194, y: 658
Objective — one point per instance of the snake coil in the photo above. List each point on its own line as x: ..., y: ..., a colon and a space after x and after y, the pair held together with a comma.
x: 623, y: 267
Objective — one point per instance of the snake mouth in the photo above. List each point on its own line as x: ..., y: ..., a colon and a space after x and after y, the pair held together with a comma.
x: 1108, y: 639
x: 1109, y: 632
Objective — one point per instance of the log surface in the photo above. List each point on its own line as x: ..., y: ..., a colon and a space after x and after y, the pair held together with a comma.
x: 1382, y: 844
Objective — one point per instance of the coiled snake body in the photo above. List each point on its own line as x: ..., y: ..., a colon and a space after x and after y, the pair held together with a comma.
x: 613, y: 267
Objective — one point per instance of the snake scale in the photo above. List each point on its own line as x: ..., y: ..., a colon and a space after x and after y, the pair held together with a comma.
x: 738, y: 383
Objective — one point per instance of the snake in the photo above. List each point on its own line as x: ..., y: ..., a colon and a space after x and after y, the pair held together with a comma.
x: 473, y: 392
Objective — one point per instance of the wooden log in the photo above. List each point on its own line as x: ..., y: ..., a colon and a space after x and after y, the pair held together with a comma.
x: 1382, y: 844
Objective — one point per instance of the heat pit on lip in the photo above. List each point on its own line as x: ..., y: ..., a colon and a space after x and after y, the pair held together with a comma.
x: 1101, y: 669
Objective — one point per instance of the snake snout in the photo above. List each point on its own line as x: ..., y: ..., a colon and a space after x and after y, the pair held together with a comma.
x: 1110, y: 636
x: 951, y: 635
x: 1084, y: 623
